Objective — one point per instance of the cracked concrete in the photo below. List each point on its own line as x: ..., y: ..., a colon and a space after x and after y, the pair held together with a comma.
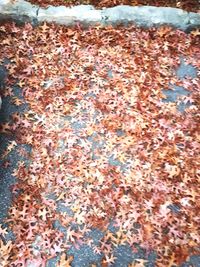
x: 145, y: 16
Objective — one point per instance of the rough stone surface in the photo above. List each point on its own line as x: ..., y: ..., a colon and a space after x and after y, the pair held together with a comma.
x: 145, y: 16
x: 69, y: 16
x: 19, y: 11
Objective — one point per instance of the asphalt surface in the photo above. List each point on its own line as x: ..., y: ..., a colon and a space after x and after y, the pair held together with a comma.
x: 84, y: 256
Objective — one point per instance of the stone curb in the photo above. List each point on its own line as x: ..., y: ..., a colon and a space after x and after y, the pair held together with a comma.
x: 145, y: 16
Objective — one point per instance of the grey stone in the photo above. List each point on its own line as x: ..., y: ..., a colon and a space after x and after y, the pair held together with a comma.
x: 86, y: 15
x: 145, y: 16
x: 194, y: 20
x: 148, y: 16
x: 19, y: 10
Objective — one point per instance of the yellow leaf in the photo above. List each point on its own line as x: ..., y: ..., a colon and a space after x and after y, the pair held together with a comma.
x: 65, y: 261
x: 164, y: 30
x: 196, y: 32
x: 5, y: 250
x: 171, y: 261
x: 138, y: 263
x: 44, y: 27
x: 17, y: 102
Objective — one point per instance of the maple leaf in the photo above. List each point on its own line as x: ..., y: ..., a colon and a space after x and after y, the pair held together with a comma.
x: 43, y: 213
x: 56, y: 248
x: 16, y: 116
x: 21, y: 83
x: 138, y: 263
x: 5, y: 250
x: 89, y: 242
x: 5, y: 127
x: 29, y: 139
x: 8, y: 92
x: 11, y: 146
x: 16, y: 101
x: 44, y: 27
x: 6, y: 41
x: 187, y: 99
x: 172, y: 170
x: 73, y: 235
x: 164, y: 210
x: 96, y: 250
x: 163, y: 30
x: 6, y: 164
x: 109, y: 259
x: 3, y: 231
x: 2, y: 28
x: 195, y: 32
x: 80, y: 217
x: 65, y: 261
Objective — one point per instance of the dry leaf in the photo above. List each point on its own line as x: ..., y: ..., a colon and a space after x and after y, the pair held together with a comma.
x: 65, y: 261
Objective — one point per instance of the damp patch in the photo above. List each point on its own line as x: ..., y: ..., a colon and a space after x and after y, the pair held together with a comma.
x: 186, y: 70
x: 174, y: 93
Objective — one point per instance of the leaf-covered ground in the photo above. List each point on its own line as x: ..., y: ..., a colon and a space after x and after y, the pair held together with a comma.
x: 189, y: 5
x: 108, y: 150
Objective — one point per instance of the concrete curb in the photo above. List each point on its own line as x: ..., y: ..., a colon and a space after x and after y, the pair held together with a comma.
x: 145, y: 16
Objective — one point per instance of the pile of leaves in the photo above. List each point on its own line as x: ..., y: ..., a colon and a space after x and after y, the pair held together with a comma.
x: 104, y: 144
x: 187, y: 5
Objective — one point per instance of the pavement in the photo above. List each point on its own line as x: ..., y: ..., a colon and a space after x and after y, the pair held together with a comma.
x: 84, y: 255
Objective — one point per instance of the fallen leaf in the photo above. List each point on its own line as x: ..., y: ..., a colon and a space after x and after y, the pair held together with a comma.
x: 65, y: 261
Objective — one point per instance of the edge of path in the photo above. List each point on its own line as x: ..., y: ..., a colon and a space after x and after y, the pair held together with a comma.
x: 22, y: 11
